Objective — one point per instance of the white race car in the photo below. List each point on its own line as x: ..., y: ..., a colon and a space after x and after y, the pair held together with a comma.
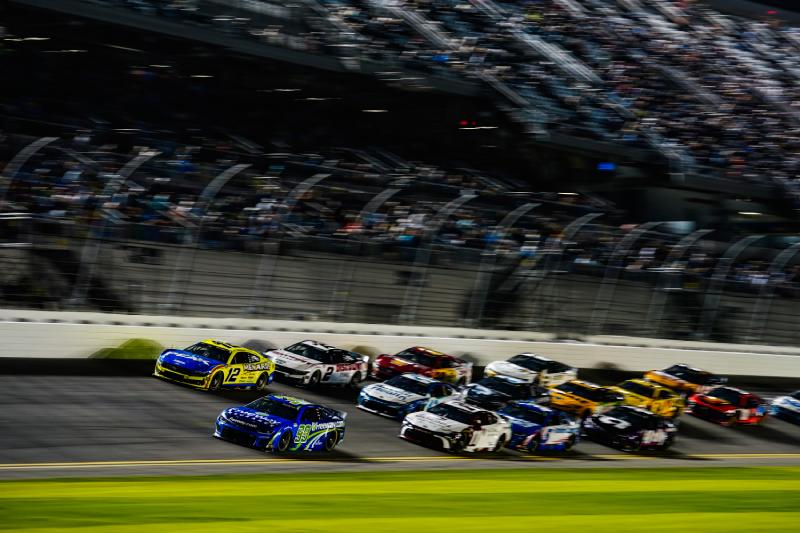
x: 311, y: 363
x: 787, y: 407
x: 533, y: 369
x: 457, y: 426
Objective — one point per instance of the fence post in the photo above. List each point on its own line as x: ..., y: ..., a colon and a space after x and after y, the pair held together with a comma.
x: 605, y: 294
x: 186, y: 257
x: 658, y: 299
x: 758, y: 319
x: 423, y: 255
x: 488, y: 259
x: 715, y: 288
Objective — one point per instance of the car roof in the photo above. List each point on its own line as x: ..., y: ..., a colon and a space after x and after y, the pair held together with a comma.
x: 509, y: 379
x: 585, y: 383
x: 647, y: 383
x: 639, y: 410
x: 465, y: 406
x: 429, y: 351
x: 321, y: 346
x: 535, y: 356
x: 290, y: 400
x: 219, y: 344
x: 734, y: 389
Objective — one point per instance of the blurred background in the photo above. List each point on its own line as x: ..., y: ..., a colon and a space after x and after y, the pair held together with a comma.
x: 622, y: 167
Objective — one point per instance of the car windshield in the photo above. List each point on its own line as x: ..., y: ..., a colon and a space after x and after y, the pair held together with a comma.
x: 453, y: 413
x: 637, y: 388
x: 309, y: 351
x: 501, y: 385
x: 590, y: 393
x: 729, y: 395
x: 530, y: 362
x: 417, y: 356
x: 692, y: 375
x: 275, y: 408
x: 636, y: 418
x: 409, y: 385
x: 209, y: 351
x: 529, y: 415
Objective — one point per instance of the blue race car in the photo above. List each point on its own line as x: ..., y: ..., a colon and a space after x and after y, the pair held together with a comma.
x: 536, y: 427
x: 495, y: 392
x: 403, y: 394
x: 282, y: 424
x: 787, y: 407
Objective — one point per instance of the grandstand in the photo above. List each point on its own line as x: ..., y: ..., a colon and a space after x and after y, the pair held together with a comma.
x: 548, y: 165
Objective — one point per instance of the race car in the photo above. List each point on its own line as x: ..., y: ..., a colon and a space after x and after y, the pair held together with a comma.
x: 403, y: 394
x: 631, y: 429
x: 212, y: 365
x: 787, y: 407
x: 728, y: 406
x: 535, y: 427
x: 583, y: 398
x: 495, y: 392
x: 685, y: 379
x: 651, y: 396
x: 311, y: 363
x: 457, y: 427
x: 425, y: 361
x: 532, y: 368
x: 282, y: 424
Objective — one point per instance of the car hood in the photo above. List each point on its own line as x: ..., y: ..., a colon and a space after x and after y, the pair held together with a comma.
x: 189, y: 361
x: 518, y: 424
x: 510, y: 369
x: 432, y: 422
x: 254, y: 420
x: 388, y: 393
x: 291, y: 360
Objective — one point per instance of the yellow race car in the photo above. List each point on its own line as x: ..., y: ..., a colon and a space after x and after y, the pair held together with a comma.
x: 651, y: 396
x: 212, y: 365
x: 583, y: 398
x: 685, y: 380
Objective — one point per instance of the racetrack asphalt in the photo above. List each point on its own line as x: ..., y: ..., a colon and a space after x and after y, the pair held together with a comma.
x: 124, y: 422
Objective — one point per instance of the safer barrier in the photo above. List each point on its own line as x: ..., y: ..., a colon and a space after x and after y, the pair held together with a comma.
x: 43, y: 334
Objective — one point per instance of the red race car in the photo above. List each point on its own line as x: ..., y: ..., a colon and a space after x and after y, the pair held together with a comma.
x: 419, y: 360
x: 728, y: 406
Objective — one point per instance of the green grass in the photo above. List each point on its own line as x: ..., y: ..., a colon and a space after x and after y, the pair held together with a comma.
x: 131, y: 349
x: 619, y: 500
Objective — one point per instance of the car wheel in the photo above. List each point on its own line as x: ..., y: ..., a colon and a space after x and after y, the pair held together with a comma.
x: 262, y: 381
x: 632, y: 445
x: 315, y: 379
x: 533, y: 445
x: 501, y: 441
x: 355, y: 381
x: 216, y: 381
x: 668, y: 442
x: 331, y: 440
x: 283, y: 442
x: 570, y: 443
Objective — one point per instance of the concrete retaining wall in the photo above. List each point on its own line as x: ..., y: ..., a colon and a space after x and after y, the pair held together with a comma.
x: 79, y: 335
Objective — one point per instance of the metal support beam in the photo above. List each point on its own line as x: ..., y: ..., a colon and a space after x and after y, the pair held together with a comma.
x: 423, y: 256
x: 13, y: 166
x: 716, y: 287
x: 758, y: 320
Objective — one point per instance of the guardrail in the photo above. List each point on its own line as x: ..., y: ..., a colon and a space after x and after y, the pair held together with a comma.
x: 41, y: 334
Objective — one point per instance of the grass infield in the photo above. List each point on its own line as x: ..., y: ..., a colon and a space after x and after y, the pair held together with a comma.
x: 619, y: 500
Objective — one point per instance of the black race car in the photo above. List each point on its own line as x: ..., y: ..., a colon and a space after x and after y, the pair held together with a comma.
x: 495, y: 392
x: 631, y: 429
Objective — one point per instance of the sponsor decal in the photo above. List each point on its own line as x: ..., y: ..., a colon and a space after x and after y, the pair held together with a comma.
x: 346, y: 367
x: 256, y: 366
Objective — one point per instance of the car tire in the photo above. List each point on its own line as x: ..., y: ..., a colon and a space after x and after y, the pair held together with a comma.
x: 533, y: 445
x: 570, y: 443
x: 632, y: 446
x: 216, y: 381
x: 331, y: 440
x: 355, y: 381
x: 315, y: 378
x: 283, y: 442
x: 501, y: 441
x: 262, y: 381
